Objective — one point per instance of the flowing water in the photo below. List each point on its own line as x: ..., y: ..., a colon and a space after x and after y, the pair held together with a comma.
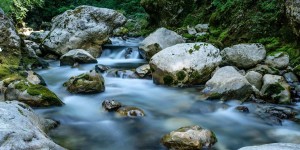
x: 84, y: 125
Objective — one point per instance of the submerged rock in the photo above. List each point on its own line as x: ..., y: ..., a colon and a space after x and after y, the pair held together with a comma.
x: 227, y: 83
x: 158, y: 40
x: 77, y: 56
x: 244, y: 55
x: 275, y: 89
x: 85, y: 27
x: 279, y: 60
x: 120, y: 73
x: 101, y: 68
x: 31, y: 94
x: 130, y: 111
x: 273, y: 146
x: 189, y: 138
x: 91, y: 82
x: 185, y: 64
x: 242, y: 109
x: 21, y: 128
x: 111, y: 105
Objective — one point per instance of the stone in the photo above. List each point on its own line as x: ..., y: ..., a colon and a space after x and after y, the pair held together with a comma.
x: 38, y: 36
x: 265, y: 69
x: 77, y: 56
x: 278, y: 60
x: 202, y: 27
x: 158, y: 40
x: 130, y: 111
x: 22, y: 128
x: 255, y: 79
x: 143, y: 71
x: 31, y: 94
x: 244, y: 55
x: 191, y: 30
x: 33, y: 48
x: 34, y: 78
x: 111, y: 105
x: 227, y: 83
x: 185, y: 64
x: 275, y: 89
x: 91, y: 82
x: 189, y: 138
x: 85, y: 27
x: 290, y: 77
x: 242, y: 109
x: 101, y: 68
x: 273, y: 146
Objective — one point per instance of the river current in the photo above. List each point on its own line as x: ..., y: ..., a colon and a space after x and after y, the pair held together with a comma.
x: 85, y: 125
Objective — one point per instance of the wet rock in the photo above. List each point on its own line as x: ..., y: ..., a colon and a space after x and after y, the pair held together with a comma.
x: 227, y: 83
x: 101, y: 68
x: 31, y: 94
x: 189, y: 138
x: 244, y: 55
x: 242, y: 109
x: 118, y: 73
x: 111, y: 105
x: 273, y: 146
x: 38, y: 36
x: 275, y: 89
x: 265, y: 69
x: 279, y: 60
x: 158, y: 40
x: 202, y: 27
x: 143, y: 71
x: 128, y: 52
x: 91, y: 82
x: 76, y: 56
x: 85, y: 27
x: 255, y: 79
x: 273, y: 114
x: 290, y: 77
x: 130, y: 111
x: 21, y: 128
x: 185, y: 64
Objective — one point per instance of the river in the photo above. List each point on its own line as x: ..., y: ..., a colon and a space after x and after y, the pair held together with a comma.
x: 84, y: 124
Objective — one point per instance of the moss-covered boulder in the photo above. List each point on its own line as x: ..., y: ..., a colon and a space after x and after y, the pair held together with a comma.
x: 265, y: 69
x: 189, y: 138
x: 158, y: 40
x: 227, y: 83
x: 167, y: 12
x: 185, y: 64
x: 275, y: 89
x: 90, y: 82
x: 32, y: 94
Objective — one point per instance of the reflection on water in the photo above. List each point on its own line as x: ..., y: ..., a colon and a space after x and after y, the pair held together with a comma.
x: 84, y: 125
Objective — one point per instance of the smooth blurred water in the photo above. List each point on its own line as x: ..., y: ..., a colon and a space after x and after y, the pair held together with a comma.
x: 84, y: 125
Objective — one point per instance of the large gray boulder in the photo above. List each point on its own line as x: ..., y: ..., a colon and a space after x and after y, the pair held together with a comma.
x: 279, y: 60
x: 275, y: 89
x: 185, y: 64
x: 244, y: 55
x: 10, y: 42
x: 22, y: 129
x: 77, y: 56
x: 158, y: 40
x: 189, y: 138
x: 227, y: 83
x: 293, y: 14
x: 273, y: 146
x: 254, y: 78
x: 85, y: 27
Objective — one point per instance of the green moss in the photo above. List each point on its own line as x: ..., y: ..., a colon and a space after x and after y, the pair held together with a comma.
x: 22, y: 86
x: 180, y: 75
x: 274, y: 90
x: 194, y: 75
x: 47, y: 95
x: 168, y: 80
x: 189, y: 36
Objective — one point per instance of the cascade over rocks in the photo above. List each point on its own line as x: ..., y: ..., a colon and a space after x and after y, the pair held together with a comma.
x: 21, y: 128
x: 185, y: 64
x: 158, y: 40
x: 85, y: 27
